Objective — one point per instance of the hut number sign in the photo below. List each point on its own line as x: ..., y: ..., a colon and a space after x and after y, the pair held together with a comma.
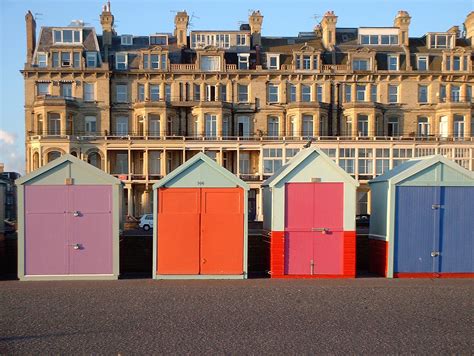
x: 200, y: 182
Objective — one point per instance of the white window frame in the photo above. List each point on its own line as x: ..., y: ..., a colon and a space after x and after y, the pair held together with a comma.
x: 269, y: 61
x: 210, y: 125
x: 89, y: 95
x: 426, y: 58
x: 42, y: 63
x: 243, y: 60
x: 61, y: 31
x: 119, y: 63
x: 397, y: 62
x: 307, y: 126
x: 126, y: 40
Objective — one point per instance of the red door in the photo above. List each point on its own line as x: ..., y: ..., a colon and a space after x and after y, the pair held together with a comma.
x: 200, y: 231
x: 314, y: 228
x: 222, y: 228
x: 178, y: 230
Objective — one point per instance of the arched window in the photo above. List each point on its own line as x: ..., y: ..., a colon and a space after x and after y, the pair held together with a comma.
x: 94, y: 159
x: 53, y: 155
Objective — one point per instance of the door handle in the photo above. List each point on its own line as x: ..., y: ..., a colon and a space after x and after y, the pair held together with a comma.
x: 76, y: 213
x: 435, y: 253
x: 76, y: 246
x: 435, y: 206
x: 323, y: 230
x: 204, y: 260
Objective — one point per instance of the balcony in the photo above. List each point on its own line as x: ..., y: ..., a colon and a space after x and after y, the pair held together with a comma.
x: 183, y: 67
x: 55, y: 100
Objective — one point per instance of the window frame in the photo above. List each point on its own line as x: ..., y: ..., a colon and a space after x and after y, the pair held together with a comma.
x: 273, y: 97
x: 117, y: 93
x: 87, y: 95
x: 243, y: 61
x: 243, y: 97
x: 126, y: 40
x: 390, y: 95
x: 89, y: 55
x: 269, y: 61
x: 119, y: 63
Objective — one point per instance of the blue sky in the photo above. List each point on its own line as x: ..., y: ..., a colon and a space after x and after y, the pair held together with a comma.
x: 149, y: 16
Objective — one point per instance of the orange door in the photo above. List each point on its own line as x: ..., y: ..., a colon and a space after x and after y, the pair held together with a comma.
x: 222, y: 224
x: 178, y: 230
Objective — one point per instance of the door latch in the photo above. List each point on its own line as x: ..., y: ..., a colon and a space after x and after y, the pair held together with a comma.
x: 76, y: 213
x: 76, y: 246
x: 435, y: 206
x: 323, y: 230
x: 435, y: 253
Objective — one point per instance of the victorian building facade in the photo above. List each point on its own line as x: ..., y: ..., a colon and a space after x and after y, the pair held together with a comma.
x: 139, y: 106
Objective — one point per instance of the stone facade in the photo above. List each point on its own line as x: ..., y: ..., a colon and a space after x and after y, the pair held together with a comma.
x: 139, y: 106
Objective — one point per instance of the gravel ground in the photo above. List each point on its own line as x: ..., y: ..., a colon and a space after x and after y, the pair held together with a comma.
x: 366, y: 315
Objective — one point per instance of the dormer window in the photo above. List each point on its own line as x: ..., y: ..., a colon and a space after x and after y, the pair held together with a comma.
x: 121, y: 61
x: 243, y: 61
x: 441, y: 40
x: 378, y: 36
x: 126, y: 40
x: 273, y: 61
x: 242, y: 40
x: 160, y: 40
x: 42, y: 60
x: 67, y: 36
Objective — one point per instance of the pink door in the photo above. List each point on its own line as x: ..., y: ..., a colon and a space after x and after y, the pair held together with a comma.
x: 60, y: 242
x: 298, y: 228
x: 328, y: 216
x: 46, y: 250
x: 90, y: 225
x: 314, y: 228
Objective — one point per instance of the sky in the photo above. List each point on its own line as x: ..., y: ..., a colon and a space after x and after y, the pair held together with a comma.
x: 143, y: 17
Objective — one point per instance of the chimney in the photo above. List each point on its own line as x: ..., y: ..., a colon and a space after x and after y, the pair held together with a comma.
x: 107, y: 22
x: 469, y: 27
x: 328, y: 26
x: 30, y: 36
x: 181, y: 22
x: 255, y: 22
x: 402, y: 21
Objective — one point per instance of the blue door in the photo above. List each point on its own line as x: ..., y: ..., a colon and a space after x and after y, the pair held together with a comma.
x: 416, y: 229
x: 457, y: 230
